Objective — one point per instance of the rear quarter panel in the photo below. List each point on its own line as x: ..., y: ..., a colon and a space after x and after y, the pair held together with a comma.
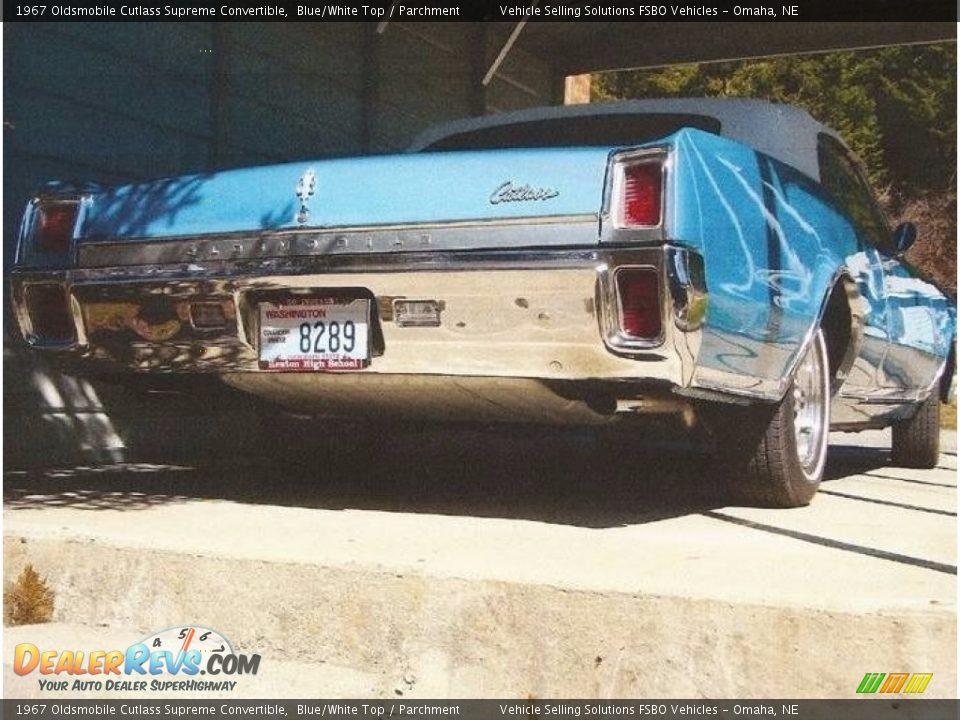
x: 772, y: 248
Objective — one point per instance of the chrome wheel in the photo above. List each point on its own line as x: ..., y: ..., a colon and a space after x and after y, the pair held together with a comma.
x: 811, y: 397
x: 775, y: 454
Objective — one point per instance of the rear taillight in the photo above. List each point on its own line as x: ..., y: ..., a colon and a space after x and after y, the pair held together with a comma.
x: 638, y: 295
x: 640, y: 188
x: 49, y: 309
x: 54, y: 227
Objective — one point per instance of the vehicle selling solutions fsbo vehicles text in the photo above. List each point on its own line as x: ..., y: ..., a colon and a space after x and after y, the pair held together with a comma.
x: 640, y: 11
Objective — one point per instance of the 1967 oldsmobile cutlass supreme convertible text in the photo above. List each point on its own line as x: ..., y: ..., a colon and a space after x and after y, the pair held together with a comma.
x: 722, y: 260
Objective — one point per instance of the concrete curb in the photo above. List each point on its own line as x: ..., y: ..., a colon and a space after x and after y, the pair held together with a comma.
x: 442, y: 637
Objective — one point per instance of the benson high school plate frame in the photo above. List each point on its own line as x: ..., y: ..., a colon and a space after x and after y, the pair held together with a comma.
x: 314, y: 334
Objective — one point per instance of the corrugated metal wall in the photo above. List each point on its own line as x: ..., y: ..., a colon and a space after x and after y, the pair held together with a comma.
x: 121, y: 101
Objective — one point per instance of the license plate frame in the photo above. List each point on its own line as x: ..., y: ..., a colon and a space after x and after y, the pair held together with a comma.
x: 337, y: 335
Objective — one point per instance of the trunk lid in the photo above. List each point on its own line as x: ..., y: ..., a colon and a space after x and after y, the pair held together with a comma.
x: 409, y: 189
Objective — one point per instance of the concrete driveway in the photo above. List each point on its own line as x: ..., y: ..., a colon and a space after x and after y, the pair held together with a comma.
x: 501, y: 563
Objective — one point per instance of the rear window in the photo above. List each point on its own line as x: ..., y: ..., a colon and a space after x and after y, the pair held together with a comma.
x: 603, y: 130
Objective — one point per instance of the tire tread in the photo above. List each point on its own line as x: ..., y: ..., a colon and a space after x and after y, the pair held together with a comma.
x: 916, y: 441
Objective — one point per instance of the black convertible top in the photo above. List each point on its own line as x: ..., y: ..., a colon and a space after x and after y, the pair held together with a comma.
x: 784, y: 132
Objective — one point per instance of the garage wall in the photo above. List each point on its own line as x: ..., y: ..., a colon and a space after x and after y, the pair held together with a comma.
x: 113, y: 102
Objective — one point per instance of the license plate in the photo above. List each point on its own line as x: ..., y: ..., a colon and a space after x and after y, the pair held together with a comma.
x: 314, y: 334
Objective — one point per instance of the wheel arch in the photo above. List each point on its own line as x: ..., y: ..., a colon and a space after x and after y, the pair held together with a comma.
x: 946, y: 375
x: 842, y: 317
x: 841, y: 312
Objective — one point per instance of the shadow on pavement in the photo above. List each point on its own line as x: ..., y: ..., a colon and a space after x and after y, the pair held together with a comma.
x: 588, y: 478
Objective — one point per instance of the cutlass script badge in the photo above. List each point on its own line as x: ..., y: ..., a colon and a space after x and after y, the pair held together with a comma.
x: 508, y: 192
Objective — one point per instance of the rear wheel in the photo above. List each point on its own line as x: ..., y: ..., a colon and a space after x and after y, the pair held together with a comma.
x: 775, y: 455
x: 916, y: 442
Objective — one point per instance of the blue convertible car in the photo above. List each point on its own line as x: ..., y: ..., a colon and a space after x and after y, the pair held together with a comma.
x: 720, y: 260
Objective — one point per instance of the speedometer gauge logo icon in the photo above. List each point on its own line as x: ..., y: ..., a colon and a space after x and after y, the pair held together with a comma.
x: 181, y: 640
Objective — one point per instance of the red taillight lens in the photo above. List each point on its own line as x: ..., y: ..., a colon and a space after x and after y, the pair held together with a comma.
x: 49, y: 309
x: 641, y: 194
x: 55, y: 227
x: 639, y: 293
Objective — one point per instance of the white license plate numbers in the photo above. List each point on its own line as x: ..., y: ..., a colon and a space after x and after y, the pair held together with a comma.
x: 314, y: 334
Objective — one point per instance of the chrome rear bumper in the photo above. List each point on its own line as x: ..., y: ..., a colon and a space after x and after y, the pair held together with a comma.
x: 549, y: 315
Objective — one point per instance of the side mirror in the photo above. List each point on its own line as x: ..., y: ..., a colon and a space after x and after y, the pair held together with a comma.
x: 904, y: 237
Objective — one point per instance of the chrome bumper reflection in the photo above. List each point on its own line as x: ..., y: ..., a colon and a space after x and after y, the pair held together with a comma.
x: 545, y: 315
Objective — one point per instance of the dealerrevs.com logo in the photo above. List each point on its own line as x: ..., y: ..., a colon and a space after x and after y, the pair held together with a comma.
x: 191, y: 658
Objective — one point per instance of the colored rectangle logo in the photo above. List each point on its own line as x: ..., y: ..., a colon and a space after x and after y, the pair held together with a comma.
x: 894, y: 683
